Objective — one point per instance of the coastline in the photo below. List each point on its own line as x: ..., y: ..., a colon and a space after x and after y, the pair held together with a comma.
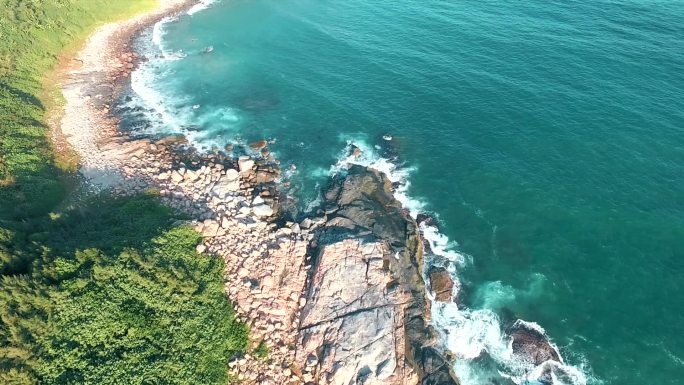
x: 270, y: 270
x: 91, y: 80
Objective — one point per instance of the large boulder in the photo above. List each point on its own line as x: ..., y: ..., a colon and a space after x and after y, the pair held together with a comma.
x: 245, y: 164
x: 263, y: 176
x: 530, y: 343
x: 441, y: 284
x: 210, y: 228
x: 366, y: 315
x: 227, y: 184
x: 191, y: 175
x: 176, y: 176
x: 262, y: 211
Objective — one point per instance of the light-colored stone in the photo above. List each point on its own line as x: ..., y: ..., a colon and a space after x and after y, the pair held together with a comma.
x: 210, y: 228
x: 176, y: 176
x: 224, y: 186
x: 246, y: 164
x: 231, y: 174
x: 262, y: 211
x: 191, y: 176
x: 257, y: 201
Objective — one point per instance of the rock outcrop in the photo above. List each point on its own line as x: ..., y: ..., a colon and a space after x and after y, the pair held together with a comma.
x: 366, y: 315
x: 441, y: 284
x: 530, y: 343
x: 350, y: 310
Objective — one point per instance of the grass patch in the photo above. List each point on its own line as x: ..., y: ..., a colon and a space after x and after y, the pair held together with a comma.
x: 113, y: 291
x: 262, y: 351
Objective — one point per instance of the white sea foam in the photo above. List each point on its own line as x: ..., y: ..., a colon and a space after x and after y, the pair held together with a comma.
x: 158, y: 32
x: 471, y: 334
x: 396, y: 174
x: 496, y: 295
x: 172, y: 112
x: 201, y: 5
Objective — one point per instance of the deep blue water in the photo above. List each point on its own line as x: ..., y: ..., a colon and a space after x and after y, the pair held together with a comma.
x: 548, y: 137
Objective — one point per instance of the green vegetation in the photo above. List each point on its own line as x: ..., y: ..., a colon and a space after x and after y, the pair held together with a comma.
x: 118, y: 295
x: 33, y: 33
x: 109, y: 292
x: 262, y: 351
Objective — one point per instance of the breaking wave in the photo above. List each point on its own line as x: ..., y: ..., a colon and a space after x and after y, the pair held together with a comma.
x: 476, y: 337
x: 201, y: 5
x: 158, y: 108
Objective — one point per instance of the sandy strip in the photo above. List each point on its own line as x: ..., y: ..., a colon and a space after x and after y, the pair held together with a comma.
x: 102, y: 67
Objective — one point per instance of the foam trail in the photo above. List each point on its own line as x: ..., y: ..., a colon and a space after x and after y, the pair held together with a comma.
x: 203, y: 4
x: 484, y: 352
x: 172, y: 112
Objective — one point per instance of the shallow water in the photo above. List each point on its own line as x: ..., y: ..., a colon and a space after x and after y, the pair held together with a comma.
x: 548, y: 138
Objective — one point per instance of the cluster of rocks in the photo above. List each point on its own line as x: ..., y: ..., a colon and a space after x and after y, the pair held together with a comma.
x: 336, y: 299
x: 233, y: 204
x: 122, y: 65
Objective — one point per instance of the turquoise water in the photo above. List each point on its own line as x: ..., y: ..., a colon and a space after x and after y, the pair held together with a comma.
x: 548, y: 138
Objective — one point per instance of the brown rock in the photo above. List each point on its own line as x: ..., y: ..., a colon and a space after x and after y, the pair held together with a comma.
x: 265, y: 177
x: 530, y: 343
x: 258, y: 145
x: 355, y: 151
x: 441, y: 284
x: 365, y: 315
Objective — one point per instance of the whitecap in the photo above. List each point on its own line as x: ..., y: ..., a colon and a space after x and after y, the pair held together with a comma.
x: 201, y: 5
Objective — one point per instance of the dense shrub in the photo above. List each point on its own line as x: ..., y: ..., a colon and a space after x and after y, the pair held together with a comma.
x: 151, y: 312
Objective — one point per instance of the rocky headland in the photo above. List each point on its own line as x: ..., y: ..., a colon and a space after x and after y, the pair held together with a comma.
x: 337, y: 298
x: 366, y: 318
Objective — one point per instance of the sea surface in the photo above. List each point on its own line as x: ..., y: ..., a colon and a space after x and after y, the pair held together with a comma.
x: 547, y: 137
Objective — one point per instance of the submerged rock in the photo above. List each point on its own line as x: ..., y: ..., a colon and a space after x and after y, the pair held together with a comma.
x: 530, y: 343
x: 258, y: 145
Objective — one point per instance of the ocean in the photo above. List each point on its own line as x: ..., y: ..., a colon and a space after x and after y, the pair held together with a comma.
x: 547, y: 138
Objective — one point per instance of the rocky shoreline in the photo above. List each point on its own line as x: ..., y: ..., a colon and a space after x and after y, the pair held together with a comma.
x: 335, y: 299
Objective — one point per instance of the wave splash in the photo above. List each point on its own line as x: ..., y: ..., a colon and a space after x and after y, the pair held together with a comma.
x: 163, y: 110
x: 483, y: 350
x: 201, y: 5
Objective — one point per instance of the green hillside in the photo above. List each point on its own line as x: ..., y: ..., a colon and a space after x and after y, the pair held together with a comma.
x: 112, y: 291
